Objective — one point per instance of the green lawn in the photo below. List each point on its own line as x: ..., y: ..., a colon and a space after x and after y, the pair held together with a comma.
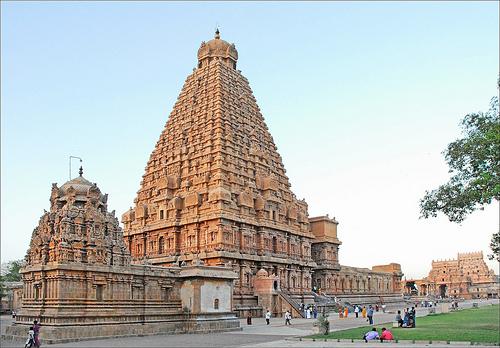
x: 472, y: 325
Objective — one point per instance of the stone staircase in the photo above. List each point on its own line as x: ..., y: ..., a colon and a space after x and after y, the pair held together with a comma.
x: 286, y: 296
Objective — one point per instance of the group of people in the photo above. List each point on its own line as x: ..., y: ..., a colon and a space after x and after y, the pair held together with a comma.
x: 365, y: 312
x: 33, y: 336
x: 408, y: 319
x: 287, y: 316
x: 310, y: 311
x: 371, y: 335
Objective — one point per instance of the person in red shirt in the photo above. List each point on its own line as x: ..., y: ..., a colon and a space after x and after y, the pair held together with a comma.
x: 386, y: 335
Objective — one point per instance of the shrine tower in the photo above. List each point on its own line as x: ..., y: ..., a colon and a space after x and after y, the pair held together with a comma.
x: 215, y: 189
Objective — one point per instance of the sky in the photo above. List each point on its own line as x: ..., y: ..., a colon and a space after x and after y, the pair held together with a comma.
x: 361, y: 99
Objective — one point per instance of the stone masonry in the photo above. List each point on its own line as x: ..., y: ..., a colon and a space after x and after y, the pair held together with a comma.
x: 215, y: 189
x: 79, y: 283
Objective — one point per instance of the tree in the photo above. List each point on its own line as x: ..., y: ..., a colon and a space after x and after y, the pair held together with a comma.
x: 474, y: 164
x: 10, y: 271
x: 495, y: 247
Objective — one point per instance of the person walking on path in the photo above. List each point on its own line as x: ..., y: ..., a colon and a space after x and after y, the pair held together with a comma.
x: 356, y: 310
x: 363, y: 312
x: 346, y: 311
x: 268, y: 317
x: 288, y: 316
x: 369, y: 313
x: 36, y: 331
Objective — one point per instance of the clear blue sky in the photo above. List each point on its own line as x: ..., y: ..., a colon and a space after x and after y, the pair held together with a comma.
x: 360, y: 97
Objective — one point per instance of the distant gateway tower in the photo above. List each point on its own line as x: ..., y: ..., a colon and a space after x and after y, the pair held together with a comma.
x: 215, y: 189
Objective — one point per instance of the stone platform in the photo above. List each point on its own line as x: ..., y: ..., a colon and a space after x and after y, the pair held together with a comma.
x: 63, y: 334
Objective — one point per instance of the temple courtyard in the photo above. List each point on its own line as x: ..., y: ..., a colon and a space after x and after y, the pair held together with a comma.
x: 274, y: 335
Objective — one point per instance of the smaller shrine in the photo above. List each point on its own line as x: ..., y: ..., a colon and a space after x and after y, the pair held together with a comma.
x: 78, y: 281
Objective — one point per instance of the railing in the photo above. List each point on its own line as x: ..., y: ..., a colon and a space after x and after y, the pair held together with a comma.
x: 288, y: 298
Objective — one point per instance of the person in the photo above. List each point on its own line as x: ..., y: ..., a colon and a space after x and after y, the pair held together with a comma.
x: 369, y: 313
x: 356, y: 310
x: 30, y: 342
x: 371, y: 335
x: 406, y: 319
x: 249, y: 318
x: 308, y: 313
x: 413, y: 316
x: 376, y: 307
x: 315, y: 312
x: 288, y: 317
x: 268, y: 317
x: 363, y: 312
x: 386, y: 335
x: 36, y: 330
x: 399, y: 320
x: 341, y: 313
x: 346, y: 312
x: 384, y: 307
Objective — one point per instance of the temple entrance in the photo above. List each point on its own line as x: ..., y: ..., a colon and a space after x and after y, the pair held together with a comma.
x: 411, y: 288
x: 442, y: 290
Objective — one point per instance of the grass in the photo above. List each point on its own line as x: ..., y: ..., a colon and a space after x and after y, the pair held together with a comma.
x: 471, y: 325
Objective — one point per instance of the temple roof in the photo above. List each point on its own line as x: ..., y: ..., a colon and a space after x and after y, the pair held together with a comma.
x: 80, y: 184
x: 217, y: 48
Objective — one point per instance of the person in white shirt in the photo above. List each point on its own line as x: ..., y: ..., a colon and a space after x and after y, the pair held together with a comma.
x: 268, y: 317
x: 288, y: 317
x: 356, y: 310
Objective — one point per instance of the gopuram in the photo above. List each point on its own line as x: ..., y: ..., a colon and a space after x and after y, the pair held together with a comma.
x: 79, y: 283
x: 467, y: 277
x: 215, y: 189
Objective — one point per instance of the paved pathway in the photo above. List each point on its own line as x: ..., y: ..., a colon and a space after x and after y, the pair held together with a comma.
x: 258, y: 335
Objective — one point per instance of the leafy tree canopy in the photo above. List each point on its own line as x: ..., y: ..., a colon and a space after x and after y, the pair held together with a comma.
x: 474, y: 163
x: 475, y: 167
x: 10, y: 271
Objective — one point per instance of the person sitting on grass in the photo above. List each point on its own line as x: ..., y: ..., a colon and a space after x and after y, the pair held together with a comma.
x: 371, y: 335
x: 386, y: 335
x: 406, y: 319
x: 398, y: 319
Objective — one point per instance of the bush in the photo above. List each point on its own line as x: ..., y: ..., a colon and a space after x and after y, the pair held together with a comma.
x: 323, y: 325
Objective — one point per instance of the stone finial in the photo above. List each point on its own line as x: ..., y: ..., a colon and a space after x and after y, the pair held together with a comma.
x: 80, y: 171
x: 217, y: 34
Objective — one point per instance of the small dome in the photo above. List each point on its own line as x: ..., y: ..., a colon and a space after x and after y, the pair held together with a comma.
x: 80, y: 184
x: 217, y: 48
x: 82, y: 189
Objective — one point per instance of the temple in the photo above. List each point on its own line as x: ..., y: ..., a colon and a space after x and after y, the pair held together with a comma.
x: 79, y: 283
x: 467, y: 277
x: 215, y: 188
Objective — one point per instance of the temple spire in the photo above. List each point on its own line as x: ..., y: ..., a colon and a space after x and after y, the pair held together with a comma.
x: 80, y: 171
x: 217, y: 34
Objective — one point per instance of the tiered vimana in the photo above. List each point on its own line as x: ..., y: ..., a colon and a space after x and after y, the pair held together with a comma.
x: 215, y: 189
x: 215, y: 186
x: 79, y: 284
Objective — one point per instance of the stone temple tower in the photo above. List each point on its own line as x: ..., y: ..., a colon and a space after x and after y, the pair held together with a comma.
x: 215, y: 189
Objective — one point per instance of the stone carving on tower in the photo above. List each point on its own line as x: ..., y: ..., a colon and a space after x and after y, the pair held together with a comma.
x: 78, y: 280
x: 215, y: 184
x: 78, y: 228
